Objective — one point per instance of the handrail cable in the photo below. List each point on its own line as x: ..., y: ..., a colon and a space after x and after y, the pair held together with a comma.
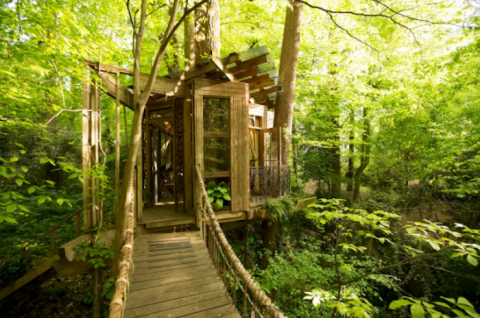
x: 230, y: 267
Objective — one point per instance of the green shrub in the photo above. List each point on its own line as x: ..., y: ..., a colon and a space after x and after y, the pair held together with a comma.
x: 279, y: 209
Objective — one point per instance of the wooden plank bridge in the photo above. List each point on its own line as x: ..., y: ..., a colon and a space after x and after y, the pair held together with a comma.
x: 175, y: 277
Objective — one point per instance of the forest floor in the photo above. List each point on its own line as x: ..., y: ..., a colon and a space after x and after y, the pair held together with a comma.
x: 65, y: 297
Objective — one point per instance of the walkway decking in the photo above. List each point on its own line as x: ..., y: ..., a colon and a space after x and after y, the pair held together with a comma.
x: 174, y: 277
x: 164, y: 214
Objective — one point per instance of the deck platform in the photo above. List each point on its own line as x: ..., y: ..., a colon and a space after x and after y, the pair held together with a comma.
x: 164, y: 215
x: 175, y: 277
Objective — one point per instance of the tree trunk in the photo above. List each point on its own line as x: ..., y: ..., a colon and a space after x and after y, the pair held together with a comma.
x: 336, y: 160
x: 269, y: 239
x: 211, y: 28
x: 287, y: 74
x: 365, y: 159
x: 189, y: 35
x: 350, y: 154
x: 295, y: 156
x: 140, y: 100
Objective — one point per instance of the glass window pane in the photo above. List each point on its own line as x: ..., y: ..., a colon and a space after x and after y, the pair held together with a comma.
x: 162, y: 113
x: 216, y: 154
x: 216, y: 115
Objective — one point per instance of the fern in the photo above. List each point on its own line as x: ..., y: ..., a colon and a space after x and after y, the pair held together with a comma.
x: 279, y: 210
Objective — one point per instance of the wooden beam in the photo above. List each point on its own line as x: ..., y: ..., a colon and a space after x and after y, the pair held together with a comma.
x: 216, y: 60
x: 248, y: 73
x: 257, y: 79
x: 162, y: 85
x: 247, y: 64
x: 262, y: 85
x: 274, y: 89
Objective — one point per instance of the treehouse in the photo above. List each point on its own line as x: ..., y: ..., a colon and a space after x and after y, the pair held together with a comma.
x: 218, y: 120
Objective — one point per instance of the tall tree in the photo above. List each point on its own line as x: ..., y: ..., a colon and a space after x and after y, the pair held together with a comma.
x: 284, y: 106
x: 287, y: 74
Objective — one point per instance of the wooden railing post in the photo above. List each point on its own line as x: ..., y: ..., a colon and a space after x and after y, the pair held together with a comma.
x: 52, y: 243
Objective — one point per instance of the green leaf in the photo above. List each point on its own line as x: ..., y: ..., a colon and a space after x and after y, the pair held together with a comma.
x: 19, y: 182
x: 464, y: 301
x: 227, y: 197
x: 41, y: 200
x: 251, y: 240
x: 11, y: 208
x: 31, y: 190
x: 417, y: 311
x: 10, y: 220
x: 60, y: 201
x: 434, y: 245
x: 472, y: 260
x: 25, y: 169
x: 399, y: 303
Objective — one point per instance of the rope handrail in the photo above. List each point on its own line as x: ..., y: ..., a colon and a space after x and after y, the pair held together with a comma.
x: 218, y: 246
x: 119, y: 300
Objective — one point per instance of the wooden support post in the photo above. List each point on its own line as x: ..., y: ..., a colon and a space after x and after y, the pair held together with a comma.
x: 52, y: 243
x: 140, y: 178
x: 117, y: 141
x: 86, y: 116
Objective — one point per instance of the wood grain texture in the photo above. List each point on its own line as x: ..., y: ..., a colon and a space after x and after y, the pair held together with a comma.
x: 175, y: 283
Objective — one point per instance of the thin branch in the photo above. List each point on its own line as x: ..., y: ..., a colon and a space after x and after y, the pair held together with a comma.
x: 64, y: 110
x: 130, y: 16
x: 163, y: 5
x: 348, y: 32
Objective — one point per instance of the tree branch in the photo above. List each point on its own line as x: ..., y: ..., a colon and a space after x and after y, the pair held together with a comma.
x: 163, y: 5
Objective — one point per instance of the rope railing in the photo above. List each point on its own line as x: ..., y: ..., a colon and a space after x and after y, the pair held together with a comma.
x: 119, y: 301
x: 254, y: 302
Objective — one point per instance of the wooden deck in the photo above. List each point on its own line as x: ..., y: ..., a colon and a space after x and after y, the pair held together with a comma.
x: 174, y: 277
x: 164, y: 214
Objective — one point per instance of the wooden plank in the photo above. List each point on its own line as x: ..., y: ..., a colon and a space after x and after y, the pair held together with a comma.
x: 248, y: 73
x: 194, y: 289
x: 304, y: 203
x: 27, y: 278
x: 247, y: 64
x: 206, y: 309
x: 189, y: 299
x: 124, y: 95
x: 220, y: 174
x: 86, y: 157
x: 171, y: 288
x: 172, y: 280
x: 147, y: 272
x: 266, y: 92
x: 199, y: 160
x: 187, y: 141
x: 222, y: 67
x: 256, y: 79
x: 262, y: 84
x: 163, y: 85
x: 157, y: 224
x: 223, y: 311
x: 256, y: 110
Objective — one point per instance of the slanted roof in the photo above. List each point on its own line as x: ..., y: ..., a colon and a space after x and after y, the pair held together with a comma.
x: 253, y: 66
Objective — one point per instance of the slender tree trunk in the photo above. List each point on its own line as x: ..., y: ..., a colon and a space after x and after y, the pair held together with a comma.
x: 175, y: 63
x: 189, y: 35
x: 211, y: 43
x: 350, y: 154
x: 287, y: 74
x: 284, y: 106
x: 295, y: 156
x: 269, y: 239
x: 140, y: 100
x: 365, y: 159
x: 336, y: 160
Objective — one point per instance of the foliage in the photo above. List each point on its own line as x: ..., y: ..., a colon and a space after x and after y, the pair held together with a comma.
x: 279, y: 210
x: 218, y: 193
x: 459, y: 308
x: 97, y: 253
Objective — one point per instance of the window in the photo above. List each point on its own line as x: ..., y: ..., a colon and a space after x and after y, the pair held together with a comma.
x: 216, y: 131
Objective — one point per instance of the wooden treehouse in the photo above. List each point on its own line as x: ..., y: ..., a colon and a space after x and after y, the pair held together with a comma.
x: 218, y: 120
x: 210, y: 158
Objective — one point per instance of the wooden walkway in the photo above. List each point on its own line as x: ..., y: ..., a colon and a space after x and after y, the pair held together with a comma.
x: 174, y: 277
